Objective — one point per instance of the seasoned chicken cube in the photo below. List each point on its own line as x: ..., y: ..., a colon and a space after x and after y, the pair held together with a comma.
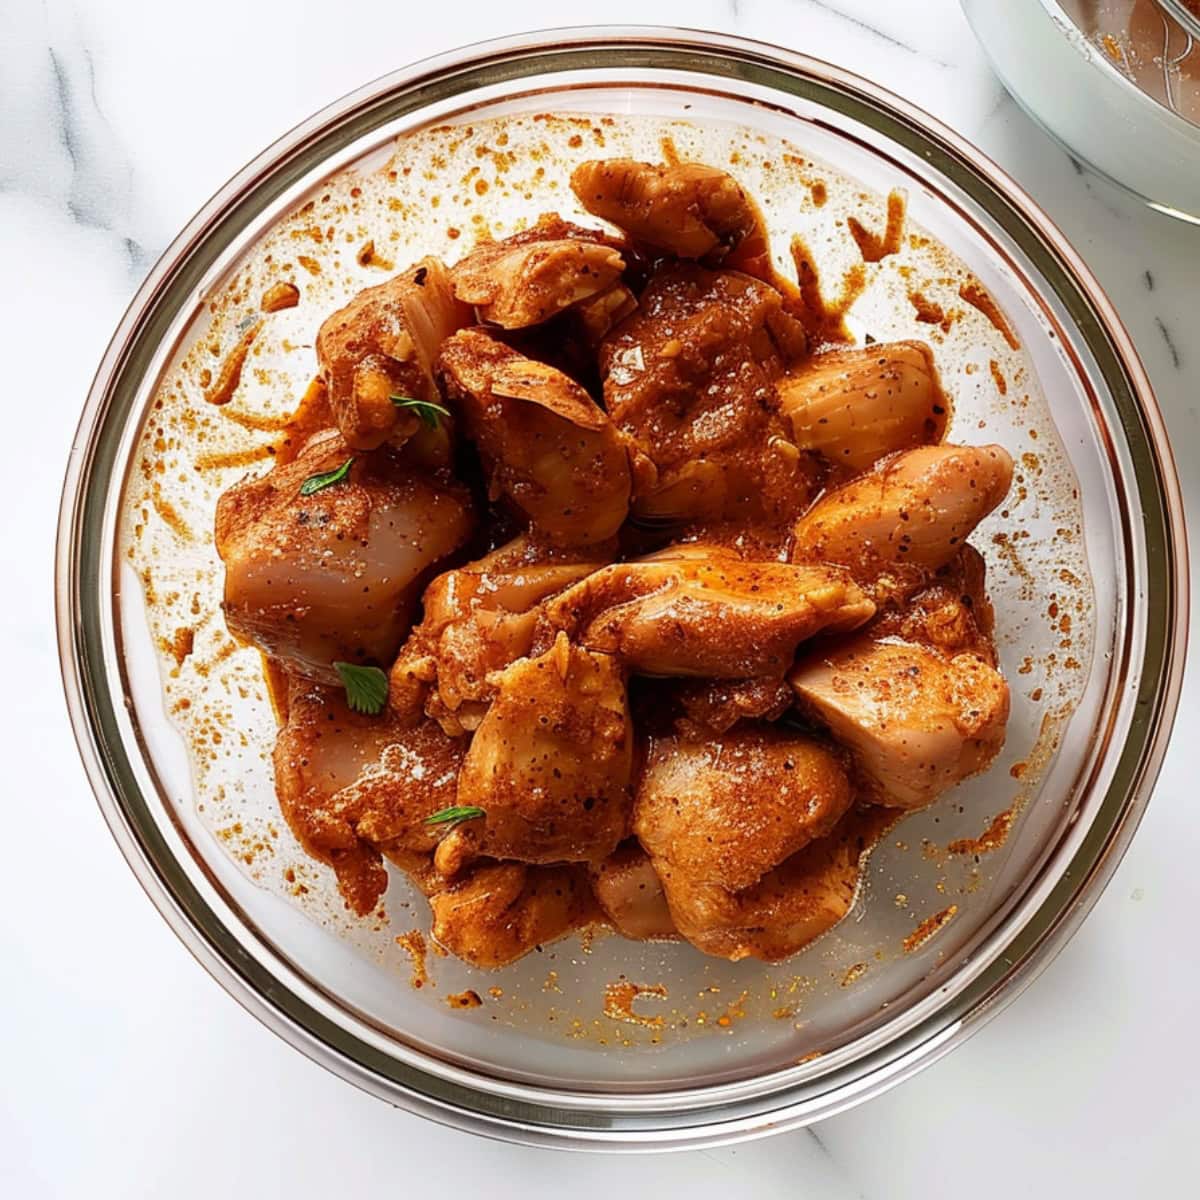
x: 351, y: 786
x: 716, y: 817
x: 917, y: 722
x: 793, y: 905
x: 334, y: 574
x: 630, y: 892
x: 855, y: 406
x: 528, y: 278
x: 700, y: 610
x: 913, y: 510
x: 478, y: 619
x: 691, y: 377
x: 548, y: 446
x: 550, y: 763
x: 384, y: 344
x: 687, y: 209
x: 501, y: 911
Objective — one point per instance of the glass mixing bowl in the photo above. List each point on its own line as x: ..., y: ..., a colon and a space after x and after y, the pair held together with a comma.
x: 749, y: 1048
x: 1117, y: 82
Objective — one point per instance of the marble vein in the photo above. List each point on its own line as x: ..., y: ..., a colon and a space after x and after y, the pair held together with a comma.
x: 1172, y: 349
x: 876, y: 32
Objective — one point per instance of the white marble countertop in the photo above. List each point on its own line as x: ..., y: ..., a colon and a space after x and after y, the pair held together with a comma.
x: 126, y: 1071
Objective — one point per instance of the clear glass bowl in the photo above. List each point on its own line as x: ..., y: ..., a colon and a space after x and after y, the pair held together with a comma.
x: 1117, y: 82
x: 868, y: 1013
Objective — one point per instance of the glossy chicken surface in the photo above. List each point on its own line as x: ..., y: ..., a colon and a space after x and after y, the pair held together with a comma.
x: 701, y: 611
x: 915, y: 720
x: 853, y: 407
x: 604, y: 600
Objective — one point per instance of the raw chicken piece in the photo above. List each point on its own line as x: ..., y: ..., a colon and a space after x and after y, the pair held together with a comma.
x: 687, y: 209
x: 384, y: 343
x: 478, y: 619
x: 913, y: 510
x: 718, y: 816
x: 690, y: 377
x: 916, y: 721
x: 700, y: 610
x: 528, y: 278
x: 503, y: 910
x: 802, y: 898
x: 549, y: 447
x: 334, y: 575
x: 629, y: 890
x: 350, y: 785
x: 854, y: 406
x: 550, y: 763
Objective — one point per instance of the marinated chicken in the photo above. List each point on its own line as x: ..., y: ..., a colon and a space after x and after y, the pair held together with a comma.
x: 317, y: 576
x: 478, y: 619
x: 701, y: 611
x: 691, y: 377
x: 549, y: 448
x: 853, y: 407
x: 530, y: 277
x: 910, y: 514
x: 716, y: 817
x: 550, y: 763
x: 354, y: 787
x: 686, y: 209
x: 916, y: 721
x: 379, y: 351
x: 631, y: 894
x: 603, y: 600
x: 503, y: 910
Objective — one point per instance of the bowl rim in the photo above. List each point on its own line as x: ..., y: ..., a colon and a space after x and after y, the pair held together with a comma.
x: 547, y: 1116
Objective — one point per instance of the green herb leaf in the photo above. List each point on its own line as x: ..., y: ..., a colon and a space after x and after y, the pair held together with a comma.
x: 366, y: 687
x: 425, y: 409
x: 317, y: 483
x: 454, y: 814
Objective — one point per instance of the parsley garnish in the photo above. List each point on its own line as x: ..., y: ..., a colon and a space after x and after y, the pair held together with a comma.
x: 366, y: 687
x: 425, y: 409
x: 454, y: 814
x: 317, y: 483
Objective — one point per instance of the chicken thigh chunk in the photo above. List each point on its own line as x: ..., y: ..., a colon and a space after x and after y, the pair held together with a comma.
x: 550, y: 763
x: 353, y: 787
x: 384, y: 343
x: 334, y: 575
x: 690, y: 377
x: 530, y: 277
x: 548, y: 446
x: 501, y: 911
x: 717, y: 817
x: 912, y: 512
x: 701, y: 611
x: 916, y: 721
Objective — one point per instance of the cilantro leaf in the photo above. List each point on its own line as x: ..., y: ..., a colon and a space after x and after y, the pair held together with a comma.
x: 317, y: 483
x: 454, y: 814
x: 425, y: 409
x: 366, y: 687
